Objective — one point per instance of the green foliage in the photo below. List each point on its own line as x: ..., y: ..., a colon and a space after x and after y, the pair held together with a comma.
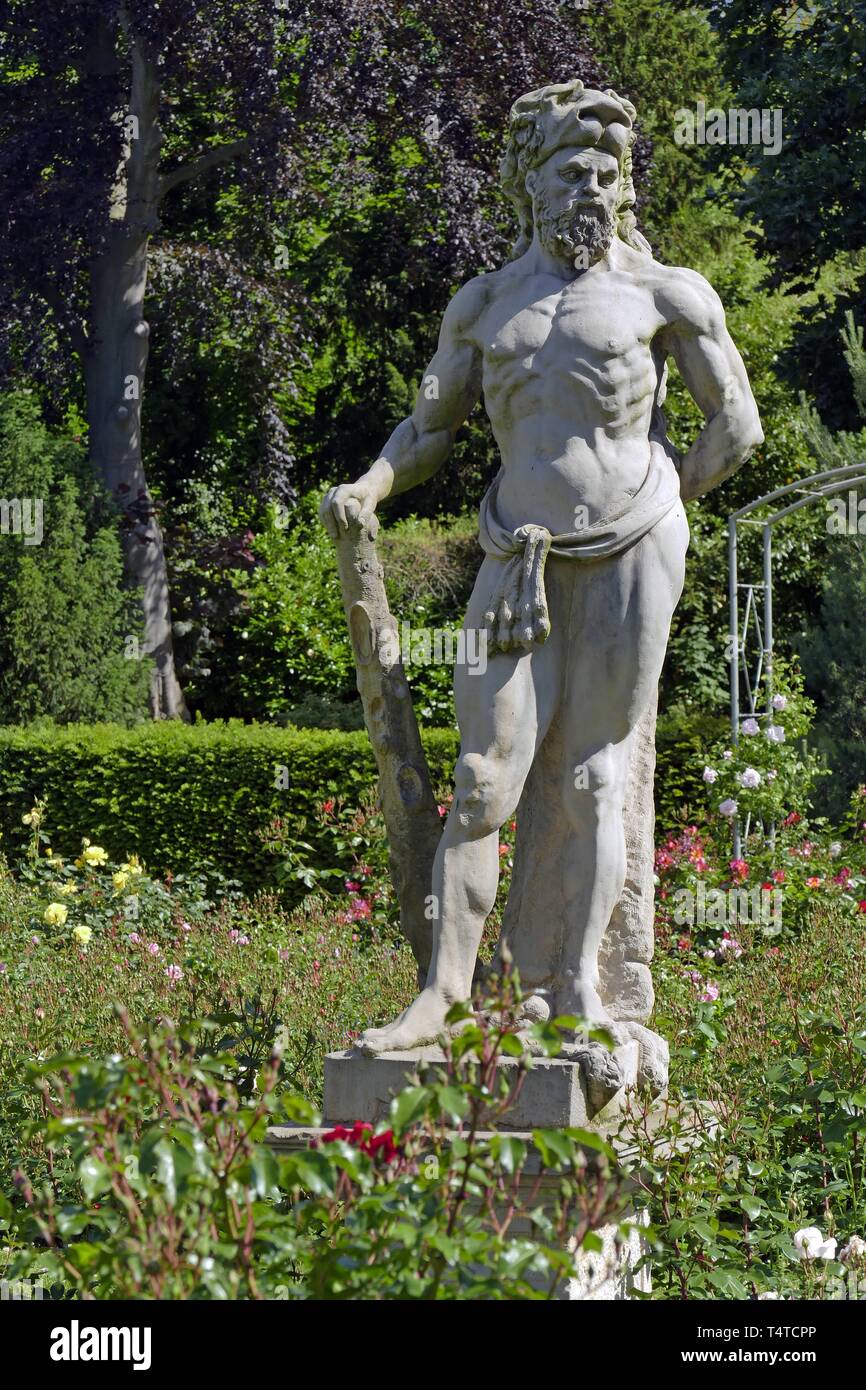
x: 834, y: 660
x: 665, y: 57
x: 67, y: 902
x: 135, y: 1143
x: 295, y: 641
x: 191, y: 796
x: 833, y: 647
x: 682, y: 735
x: 800, y: 59
x: 294, y: 657
x: 161, y: 1185
x: 66, y: 627
x: 769, y: 773
x: 775, y: 1144
x: 192, y: 947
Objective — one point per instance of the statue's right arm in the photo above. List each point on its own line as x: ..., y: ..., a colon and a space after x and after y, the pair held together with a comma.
x: 421, y: 443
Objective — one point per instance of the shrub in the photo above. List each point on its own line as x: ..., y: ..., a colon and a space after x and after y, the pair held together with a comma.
x: 294, y: 656
x: 160, y: 1184
x: 191, y: 796
x: 66, y: 625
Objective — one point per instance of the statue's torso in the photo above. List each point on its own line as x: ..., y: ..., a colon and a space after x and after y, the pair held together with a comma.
x: 570, y: 379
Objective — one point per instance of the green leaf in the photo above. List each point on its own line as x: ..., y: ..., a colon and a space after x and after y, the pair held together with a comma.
x: 264, y: 1171
x: 752, y: 1206
x: 94, y: 1175
x: 408, y: 1106
x: 311, y: 1171
x: 509, y: 1151
x: 452, y: 1101
x: 554, y: 1146
x: 728, y: 1282
x: 166, y: 1169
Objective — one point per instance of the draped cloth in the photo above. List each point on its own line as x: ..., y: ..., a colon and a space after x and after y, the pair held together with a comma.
x: 517, y: 614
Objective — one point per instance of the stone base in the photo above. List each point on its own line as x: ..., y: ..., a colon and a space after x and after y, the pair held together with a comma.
x: 557, y: 1092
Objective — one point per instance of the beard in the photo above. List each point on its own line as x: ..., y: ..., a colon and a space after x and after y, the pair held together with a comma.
x: 566, y: 233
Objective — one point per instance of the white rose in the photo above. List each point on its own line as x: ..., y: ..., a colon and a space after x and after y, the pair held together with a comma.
x: 853, y: 1249
x: 811, y: 1245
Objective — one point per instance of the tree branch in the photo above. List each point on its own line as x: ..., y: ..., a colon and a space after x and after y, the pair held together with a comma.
x: 219, y: 154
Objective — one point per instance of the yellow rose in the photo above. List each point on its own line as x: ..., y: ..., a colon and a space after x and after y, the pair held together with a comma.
x: 55, y: 914
x: 82, y: 935
x: 120, y: 880
x: 94, y: 854
x: 132, y: 865
x: 67, y: 889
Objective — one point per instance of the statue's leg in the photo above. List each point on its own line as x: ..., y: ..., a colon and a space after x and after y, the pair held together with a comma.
x: 503, y: 714
x: 621, y: 616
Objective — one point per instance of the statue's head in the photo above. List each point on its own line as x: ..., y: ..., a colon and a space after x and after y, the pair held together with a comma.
x: 567, y: 169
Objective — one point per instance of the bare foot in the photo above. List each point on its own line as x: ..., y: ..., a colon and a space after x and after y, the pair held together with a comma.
x: 419, y: 1025
x: 580, y: 997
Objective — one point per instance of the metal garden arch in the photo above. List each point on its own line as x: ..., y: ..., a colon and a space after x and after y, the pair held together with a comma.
x: 757, y: 608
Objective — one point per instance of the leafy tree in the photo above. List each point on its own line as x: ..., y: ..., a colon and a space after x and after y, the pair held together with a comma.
x: 806, y: 60
x: 111, y: 114
x: 70, y: 646
x: 665, y: 56
x: 834, y: 647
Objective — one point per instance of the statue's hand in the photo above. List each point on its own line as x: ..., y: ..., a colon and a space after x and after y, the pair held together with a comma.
x: 349, y: 502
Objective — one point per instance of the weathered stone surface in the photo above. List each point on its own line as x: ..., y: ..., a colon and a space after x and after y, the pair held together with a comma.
x: 556, y: 1092
x: 584, y: 536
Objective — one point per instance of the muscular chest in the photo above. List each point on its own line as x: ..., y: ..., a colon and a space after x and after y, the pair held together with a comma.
x: 598, y: 329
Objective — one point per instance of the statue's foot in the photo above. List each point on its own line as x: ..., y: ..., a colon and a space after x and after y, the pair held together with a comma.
x: 582, y: 998
x: 418, y: 1026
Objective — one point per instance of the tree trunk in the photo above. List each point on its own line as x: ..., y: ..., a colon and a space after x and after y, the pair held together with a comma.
x: 114, y: 368
x: 407, y: 799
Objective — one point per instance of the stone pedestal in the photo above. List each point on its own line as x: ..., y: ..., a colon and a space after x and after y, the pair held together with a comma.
x: 557, y: 1093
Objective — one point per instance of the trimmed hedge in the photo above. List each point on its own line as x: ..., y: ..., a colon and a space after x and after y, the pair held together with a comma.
x: 181, y: 795
x: 184, y: 795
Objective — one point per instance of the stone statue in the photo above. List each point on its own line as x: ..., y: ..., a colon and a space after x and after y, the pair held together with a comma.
x: 584, y: 537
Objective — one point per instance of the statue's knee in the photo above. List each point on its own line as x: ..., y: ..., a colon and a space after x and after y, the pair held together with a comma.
x: 596, y: 784
x: 481, y: 794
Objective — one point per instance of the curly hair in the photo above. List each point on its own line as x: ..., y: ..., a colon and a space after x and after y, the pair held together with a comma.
x: 529, y: 131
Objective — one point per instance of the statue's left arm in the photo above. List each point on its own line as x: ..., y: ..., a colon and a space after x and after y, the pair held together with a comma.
x: 698, y: 340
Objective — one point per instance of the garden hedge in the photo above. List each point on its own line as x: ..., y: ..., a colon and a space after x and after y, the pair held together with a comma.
x: 180, y: 795
x: 184, y: 795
